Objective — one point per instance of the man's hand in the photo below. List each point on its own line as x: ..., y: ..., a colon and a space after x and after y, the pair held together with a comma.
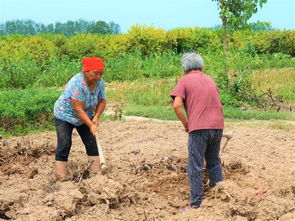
x: 177, y: 105
x: 185, y: 125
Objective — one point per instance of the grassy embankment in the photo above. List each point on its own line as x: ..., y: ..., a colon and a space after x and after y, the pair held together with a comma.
x: 142, y: 67
x: 30, y: 110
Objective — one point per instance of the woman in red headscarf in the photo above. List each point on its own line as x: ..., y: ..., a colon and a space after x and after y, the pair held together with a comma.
x: 80, y: 106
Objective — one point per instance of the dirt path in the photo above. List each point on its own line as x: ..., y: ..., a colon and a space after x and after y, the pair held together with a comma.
x: 148, y: 180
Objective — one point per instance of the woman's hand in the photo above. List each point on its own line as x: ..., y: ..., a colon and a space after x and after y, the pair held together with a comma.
x: 93, y: 129
x: 95, y: 121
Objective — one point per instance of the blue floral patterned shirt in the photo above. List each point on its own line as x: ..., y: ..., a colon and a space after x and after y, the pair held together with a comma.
x: 78, y: 89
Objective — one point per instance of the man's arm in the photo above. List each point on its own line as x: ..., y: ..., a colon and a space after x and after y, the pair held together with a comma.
x: 177, y: 105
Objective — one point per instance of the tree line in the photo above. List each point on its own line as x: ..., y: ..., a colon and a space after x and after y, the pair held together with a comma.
x: 69, y: 28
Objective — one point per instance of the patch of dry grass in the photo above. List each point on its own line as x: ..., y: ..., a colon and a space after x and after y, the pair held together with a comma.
x: 270, y: 124
x: 144, y: 91
x: 280, y: 81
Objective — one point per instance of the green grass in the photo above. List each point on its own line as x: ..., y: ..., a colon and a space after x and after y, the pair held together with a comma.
x: 167, y: 113
x: 31, y: 127
x: 157, y: 112
x: 26, y: 73
x: 24, y: 111
x: 236, y: 113
x: 29, y: 110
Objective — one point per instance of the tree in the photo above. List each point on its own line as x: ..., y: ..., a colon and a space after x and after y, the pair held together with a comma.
x: 115, y: 28
x: 260, y: 26
x: 234, y: 14
x: 29, y: 27
x: 101, y: 27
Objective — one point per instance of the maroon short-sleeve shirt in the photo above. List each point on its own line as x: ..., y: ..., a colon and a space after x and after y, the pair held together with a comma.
x: 201, y: 100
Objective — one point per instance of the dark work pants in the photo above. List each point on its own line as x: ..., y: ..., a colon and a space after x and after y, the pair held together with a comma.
x: 203, y: 144
x: 64, y: 139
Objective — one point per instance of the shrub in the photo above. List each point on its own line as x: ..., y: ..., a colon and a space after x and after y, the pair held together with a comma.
x: 147, y: 40
x: 27, y: 108
x: 82, y: 45
x: 275, y: 42
x: 198, y: 39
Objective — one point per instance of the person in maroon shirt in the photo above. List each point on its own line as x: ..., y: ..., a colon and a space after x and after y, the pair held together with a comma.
x: 204, y: 122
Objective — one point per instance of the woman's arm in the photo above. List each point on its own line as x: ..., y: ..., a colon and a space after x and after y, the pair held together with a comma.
x: 99, y: 109
x: 78, y: 107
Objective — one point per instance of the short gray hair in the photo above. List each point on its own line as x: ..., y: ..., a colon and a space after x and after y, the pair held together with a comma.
x: 192, y: 61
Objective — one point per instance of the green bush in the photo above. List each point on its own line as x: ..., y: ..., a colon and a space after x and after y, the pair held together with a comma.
x: 199, y: 39
x: 130, y: 67
x: 18, y: 73
x: 82, y: 45
x: 57, y: 74
x: 264, y: 42
x: 147, y: 40
x: 145, y: 52
x: 27, y: 109
x: 275, y: 42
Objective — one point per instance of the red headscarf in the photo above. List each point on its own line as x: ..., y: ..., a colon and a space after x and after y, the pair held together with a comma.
x: 92, y: 63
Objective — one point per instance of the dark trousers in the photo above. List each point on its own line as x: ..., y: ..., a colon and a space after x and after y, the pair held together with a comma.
x: 203, y: 144
x: 64, y: 139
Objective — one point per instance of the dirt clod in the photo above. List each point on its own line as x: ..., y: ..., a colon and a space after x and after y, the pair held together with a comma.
x: 32, y: 172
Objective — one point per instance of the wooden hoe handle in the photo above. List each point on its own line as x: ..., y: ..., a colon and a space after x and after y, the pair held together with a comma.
x: 228, y: 136
x: 101, y: 156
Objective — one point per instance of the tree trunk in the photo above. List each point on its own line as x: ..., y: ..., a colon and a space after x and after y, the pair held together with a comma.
x: 225, y: 45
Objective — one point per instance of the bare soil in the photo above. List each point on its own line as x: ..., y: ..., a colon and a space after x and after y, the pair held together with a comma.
x: 147, y: 177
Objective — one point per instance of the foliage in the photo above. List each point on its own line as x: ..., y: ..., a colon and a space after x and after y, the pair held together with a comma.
x: 150, y: 57
x: 167, y: 113
x: 80, y: 46
x: 32, y: 48
x: 264, y: 42
x: 259, y: 26
x: 101, y: 27
x: 142, y: 92
x: 275, y: 42
x: 142, y: 68
x: 280, y: 81
x: 19, y: 71
x: 236, y: 113
x: 26, y: 108
x: 69, y: 28
x: 155, y: 112
x: 198, y: 39
x: 130, y: 67
x: 147, y: 40
x: 31, y: 109
x: 235, y: 13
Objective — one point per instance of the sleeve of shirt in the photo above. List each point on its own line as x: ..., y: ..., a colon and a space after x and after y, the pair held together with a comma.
x: 76, y: 92
x: 178, y: 91
x: 102, y: 91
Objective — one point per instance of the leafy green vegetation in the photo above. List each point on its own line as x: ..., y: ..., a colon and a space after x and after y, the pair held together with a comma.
x: 142, y: 68
x: 167, y: 113
x: 29, y: 27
